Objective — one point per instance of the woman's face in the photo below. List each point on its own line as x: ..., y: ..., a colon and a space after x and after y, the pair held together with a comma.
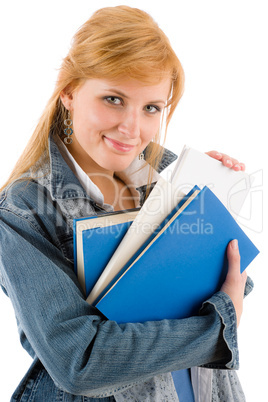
x: 113, y: 121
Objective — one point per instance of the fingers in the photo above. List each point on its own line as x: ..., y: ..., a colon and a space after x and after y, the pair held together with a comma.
x: 227, y: 161
x: 234, y: 284
x: 233, y: 256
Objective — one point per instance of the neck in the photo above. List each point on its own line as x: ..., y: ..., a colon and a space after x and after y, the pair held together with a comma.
x: 89, y: 166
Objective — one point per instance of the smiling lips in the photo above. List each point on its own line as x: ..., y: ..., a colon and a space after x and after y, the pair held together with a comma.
x: 119, y: 146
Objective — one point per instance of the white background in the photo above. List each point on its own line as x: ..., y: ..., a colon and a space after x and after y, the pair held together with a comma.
x: 223, y: 48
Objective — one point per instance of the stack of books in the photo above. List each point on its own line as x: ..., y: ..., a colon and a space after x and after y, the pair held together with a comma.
x: 164, y: 260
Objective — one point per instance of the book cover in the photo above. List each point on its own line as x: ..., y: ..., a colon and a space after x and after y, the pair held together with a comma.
x: 99, y: 244
x: 182, y: 266
x: 95, y: 240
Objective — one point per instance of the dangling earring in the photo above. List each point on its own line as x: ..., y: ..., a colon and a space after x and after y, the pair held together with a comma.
x: 68, y: 131
x: 141, y: 156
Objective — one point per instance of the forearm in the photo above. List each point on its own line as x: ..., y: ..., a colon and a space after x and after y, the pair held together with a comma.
x: 118, y: 355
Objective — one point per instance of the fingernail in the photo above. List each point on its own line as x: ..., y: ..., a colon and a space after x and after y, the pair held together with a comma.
x: 218, y: 155
x: 237, y: 167
x: 234, y: 244
x: 229, y: 162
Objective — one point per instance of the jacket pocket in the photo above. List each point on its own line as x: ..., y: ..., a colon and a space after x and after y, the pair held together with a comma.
x: 37, y: 386
x: 29, y: 384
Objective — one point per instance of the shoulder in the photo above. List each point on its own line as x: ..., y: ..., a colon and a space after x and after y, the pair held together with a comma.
x: 23, y: 196
x: 26, y: 204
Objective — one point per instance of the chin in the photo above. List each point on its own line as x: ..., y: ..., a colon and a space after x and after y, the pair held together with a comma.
x: 118, y: 164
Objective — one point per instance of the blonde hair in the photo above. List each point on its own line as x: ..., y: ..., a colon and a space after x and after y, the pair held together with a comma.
x: 114, y: 42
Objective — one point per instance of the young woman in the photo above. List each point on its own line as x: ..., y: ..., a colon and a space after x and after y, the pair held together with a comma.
x: 120, y: 81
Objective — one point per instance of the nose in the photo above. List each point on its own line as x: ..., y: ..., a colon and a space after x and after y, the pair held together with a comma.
x: 130, y: 124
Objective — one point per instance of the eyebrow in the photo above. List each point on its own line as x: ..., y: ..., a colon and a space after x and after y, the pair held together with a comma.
x: 117, y: 92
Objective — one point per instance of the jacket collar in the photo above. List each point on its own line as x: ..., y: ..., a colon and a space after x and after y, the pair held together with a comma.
x: 64, y: 184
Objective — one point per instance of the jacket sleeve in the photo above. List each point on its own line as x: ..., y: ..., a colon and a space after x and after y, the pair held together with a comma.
x: 83, y: 352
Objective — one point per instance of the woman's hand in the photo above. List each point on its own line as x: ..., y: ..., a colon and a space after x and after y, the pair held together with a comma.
x: 227, y: 160
x: 235, y: 282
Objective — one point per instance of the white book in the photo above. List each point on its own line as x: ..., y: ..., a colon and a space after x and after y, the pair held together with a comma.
x: 197, y: 168
x: 192, y: 168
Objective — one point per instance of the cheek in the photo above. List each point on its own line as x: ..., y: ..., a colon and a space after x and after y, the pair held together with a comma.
x: 88, y: 125
x: 150, y: 130
x: 100, y: 119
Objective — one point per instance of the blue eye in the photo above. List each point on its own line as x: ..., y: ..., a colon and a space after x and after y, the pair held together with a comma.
x: 114, y: 100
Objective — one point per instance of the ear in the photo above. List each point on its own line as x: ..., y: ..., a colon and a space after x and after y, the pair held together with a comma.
x: 66, y: 97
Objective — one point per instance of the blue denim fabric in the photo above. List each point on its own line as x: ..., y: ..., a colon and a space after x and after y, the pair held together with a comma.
x: 78, y: 354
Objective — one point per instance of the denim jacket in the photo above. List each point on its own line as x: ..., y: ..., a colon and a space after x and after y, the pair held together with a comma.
x: 79, y: 355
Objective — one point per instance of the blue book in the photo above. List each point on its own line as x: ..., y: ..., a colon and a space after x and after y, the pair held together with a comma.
x: 95, y: 240
x: 180, y: 266
x: 99, y: 244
